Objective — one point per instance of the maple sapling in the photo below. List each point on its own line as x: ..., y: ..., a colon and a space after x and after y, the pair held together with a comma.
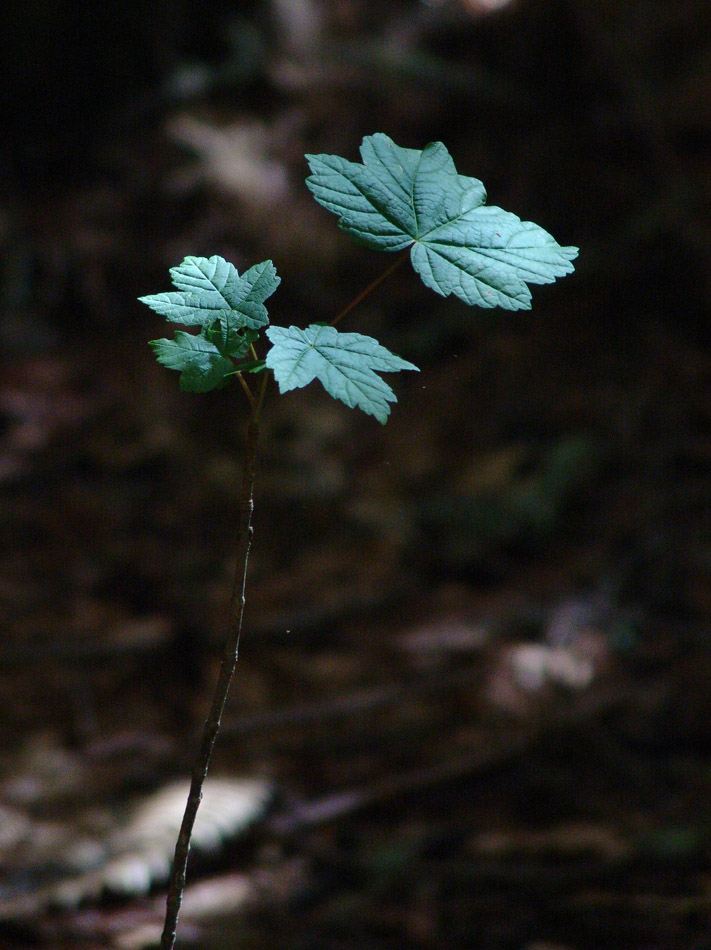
x: 396, y: 199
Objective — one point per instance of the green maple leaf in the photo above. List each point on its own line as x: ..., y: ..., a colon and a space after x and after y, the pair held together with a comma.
x: 401, y: 197
x: 347, y: 365
x: 229, y: 340
x: 202, y: 367
x: 229, y: 310
x: 211, y: 288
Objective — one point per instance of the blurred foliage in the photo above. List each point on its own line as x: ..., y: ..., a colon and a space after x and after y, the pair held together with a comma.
x: 546, y: 458
x: 519, y: 511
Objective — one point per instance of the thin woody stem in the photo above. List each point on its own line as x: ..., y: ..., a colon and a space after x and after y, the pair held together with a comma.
x: 227, y: 668
x: 231, y: 649
x: 371, y: 287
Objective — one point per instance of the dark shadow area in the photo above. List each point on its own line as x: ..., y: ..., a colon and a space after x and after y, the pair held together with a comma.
x: 476, y: 665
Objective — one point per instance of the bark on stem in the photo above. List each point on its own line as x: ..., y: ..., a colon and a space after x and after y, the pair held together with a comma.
x: 227, y: 668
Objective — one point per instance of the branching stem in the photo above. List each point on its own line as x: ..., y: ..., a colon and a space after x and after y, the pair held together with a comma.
x: 227, y: 668
x: 231, y: 650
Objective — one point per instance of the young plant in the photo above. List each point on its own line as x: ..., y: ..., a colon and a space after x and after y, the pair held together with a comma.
x: 397, y: 199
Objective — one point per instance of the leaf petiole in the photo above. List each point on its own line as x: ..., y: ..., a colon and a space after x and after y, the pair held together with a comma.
x: 371, y: 287
x: 247, y: 391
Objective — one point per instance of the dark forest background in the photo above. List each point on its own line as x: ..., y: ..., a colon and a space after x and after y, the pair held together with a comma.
x: 486, y: 626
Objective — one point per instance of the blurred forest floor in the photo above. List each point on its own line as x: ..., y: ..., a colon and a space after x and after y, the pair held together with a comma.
x: 476, y: 668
